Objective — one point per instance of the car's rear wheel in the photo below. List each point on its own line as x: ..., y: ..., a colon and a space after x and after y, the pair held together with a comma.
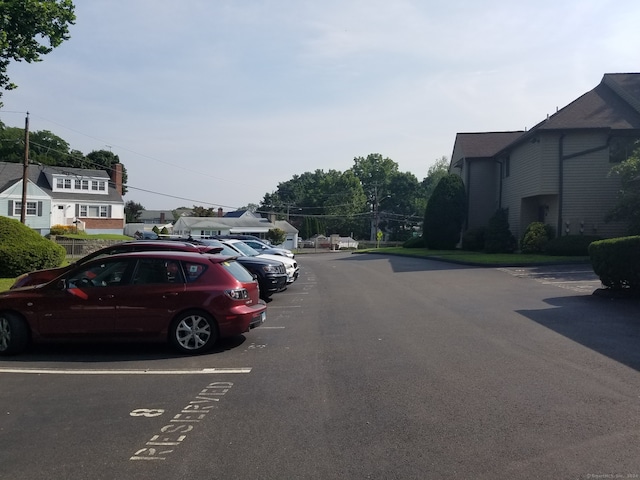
x: 14, y: 334
x: 193, y: 332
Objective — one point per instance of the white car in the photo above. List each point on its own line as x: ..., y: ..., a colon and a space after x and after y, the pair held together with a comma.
x: 262, y: 247
x: 291, y: 265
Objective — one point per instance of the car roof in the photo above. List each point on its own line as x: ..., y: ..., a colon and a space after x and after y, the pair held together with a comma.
x: 174, y: 255
x: 163, y: 243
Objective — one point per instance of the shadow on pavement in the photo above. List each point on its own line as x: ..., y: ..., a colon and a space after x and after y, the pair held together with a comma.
x: 90, y: 352
x: 609, y: 326
x: 401, y: 263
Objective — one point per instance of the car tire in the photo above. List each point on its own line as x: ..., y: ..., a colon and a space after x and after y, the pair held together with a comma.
x: 193, y: 332
x: 14, y: 334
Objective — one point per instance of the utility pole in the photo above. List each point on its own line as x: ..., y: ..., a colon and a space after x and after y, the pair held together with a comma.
x: 25, y: 175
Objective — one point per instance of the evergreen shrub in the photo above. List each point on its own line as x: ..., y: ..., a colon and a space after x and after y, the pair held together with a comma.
x: 570, y: 245
x: 535, y: 238
x: 23, y: 249
x: 473, y: 239
x: 415, y: 242
x: 617, y: 262
x: 498, y: 237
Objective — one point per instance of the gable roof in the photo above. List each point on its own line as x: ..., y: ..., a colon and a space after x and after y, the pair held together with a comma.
x: 41, y: 175
x: 485, y: 144
x: 613, y: 104
x: 481, y: 145
x: 241, y: 213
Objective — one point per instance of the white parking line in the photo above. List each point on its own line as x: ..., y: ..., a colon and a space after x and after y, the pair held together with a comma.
x: 67, y: 371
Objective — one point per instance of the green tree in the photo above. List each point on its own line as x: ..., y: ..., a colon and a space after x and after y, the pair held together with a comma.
x: 276, y: 236
x: 30, y: 29
x: 104, y: 160
x: 132, y: 211
x: 11, y: 144
x: 401, y: 210
x: 436, y: 171
x: 199, y: 211
x: 445, y: 213
x: 627, y: 207
x: 48, y: 149
x: 498, y: 238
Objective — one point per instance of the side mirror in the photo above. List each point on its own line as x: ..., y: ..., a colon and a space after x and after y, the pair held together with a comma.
x: 62, y: 284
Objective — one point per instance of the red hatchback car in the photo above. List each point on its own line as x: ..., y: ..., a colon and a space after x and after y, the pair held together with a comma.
x: 38, y: 277
x: 188, y: 299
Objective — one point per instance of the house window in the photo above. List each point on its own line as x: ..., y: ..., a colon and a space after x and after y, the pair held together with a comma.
x: 77, y: 184
x: 67, y: 184
x: 31, y: 210
x: 60, y: 183
x: 94, y: 211
x: 85, y: 185
x: 98, y: 186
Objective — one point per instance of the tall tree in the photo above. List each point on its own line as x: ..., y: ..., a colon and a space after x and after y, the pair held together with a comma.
x: 132, y: 211
x: 436, y: 171
x: 199, y: 211
x: 30, y: 29
x: 104, y: 160
x: 49, y: 149
x: 627, y: 207
x: 445, y: 212
x: 11, y: 144
x: 402, y: 209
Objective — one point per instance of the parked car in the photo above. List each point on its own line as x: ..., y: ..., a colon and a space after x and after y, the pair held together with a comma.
x: 290, y: 264
x: 271, y: 274
x: 188, y: 299
x: 259, y: 245
x: 42, y: 276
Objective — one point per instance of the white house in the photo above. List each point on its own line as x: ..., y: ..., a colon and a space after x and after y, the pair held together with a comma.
x: 241, y: 222
x: 89, y: 199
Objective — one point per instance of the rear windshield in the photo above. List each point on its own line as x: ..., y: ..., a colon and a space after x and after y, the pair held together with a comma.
x: 238, y: 271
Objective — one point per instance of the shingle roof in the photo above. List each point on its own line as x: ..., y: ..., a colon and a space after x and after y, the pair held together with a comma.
x: 485, y: 144
x: 614, y: 104
x: 10, y: 173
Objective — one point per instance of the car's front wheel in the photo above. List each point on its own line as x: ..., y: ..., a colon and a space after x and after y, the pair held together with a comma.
x: 14, y: 334
x: 193, y: 332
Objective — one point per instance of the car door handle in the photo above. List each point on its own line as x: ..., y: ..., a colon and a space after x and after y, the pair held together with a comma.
x: 172, y: 294
x: 106, y: 297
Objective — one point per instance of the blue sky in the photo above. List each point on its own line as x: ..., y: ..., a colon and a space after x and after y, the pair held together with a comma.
x: 214, y: 102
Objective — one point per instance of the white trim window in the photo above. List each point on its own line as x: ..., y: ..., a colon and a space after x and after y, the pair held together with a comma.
x: 31, y: 211
x: 98, y: 185
x: 94, y: 211
x: 80, y: 185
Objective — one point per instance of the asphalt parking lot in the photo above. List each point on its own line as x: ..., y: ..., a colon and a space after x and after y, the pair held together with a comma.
x: 578, y: 278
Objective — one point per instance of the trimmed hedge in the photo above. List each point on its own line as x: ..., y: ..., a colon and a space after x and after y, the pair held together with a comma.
x: 24, y: 250
x: 535, y: 238
x: 473, y: 239
x: 617, y: 262
x: 571, y: 245
x: 415, y: 242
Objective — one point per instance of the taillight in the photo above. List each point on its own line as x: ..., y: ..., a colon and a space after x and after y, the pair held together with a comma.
x: 237, y: 294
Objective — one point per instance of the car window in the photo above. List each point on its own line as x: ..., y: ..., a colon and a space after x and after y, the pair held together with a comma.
x: 238, y: 271
x: 157, y: 270
x: 246, y: 249
x: 193, y: 271
x: 103, y: 274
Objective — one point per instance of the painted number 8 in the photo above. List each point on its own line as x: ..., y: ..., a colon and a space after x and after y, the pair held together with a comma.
x: 146, y: 412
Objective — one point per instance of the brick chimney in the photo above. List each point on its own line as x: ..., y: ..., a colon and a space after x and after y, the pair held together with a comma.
x: 220, y: 212
x: 116, y: 176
